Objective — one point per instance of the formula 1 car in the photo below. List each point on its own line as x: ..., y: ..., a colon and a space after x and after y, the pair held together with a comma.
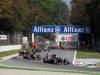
x: 30, y: 54
x: 46, y: 48
x: 53, y: 59
x: 32, y: 57
x: 21, y: 53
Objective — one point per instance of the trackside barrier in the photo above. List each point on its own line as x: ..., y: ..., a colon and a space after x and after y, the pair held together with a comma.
x: 9, y: 47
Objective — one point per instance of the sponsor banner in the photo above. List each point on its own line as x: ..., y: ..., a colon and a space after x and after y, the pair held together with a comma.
x: 60, y: 29
x: 3, y: 37
x: 25, y: 40
x: 70, y: 37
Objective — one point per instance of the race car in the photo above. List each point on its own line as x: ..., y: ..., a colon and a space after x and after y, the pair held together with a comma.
x: 21, y: 53
x: 30, y: 54
x: 32, y: 57
x: 53, y: 59
x: 47, y: 48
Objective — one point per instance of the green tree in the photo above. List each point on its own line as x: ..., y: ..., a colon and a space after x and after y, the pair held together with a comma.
x: 86, y: 12
x: 20, y: 15
x: 14, y: 13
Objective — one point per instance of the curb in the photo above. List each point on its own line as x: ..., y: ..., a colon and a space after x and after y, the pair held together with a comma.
x: 49, y: 70
x: 8, y: 57
x: 88, y: 65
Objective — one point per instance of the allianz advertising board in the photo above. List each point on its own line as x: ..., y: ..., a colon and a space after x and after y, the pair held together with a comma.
x: 60, y: 29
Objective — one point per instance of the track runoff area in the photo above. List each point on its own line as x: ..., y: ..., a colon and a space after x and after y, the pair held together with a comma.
x: 65, y: 34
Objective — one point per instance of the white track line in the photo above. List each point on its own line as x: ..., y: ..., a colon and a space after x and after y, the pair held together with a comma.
x: 74, y: 57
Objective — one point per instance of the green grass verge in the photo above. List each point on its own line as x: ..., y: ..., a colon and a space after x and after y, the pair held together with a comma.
x: 7, y: 53
x: 46, y: 69
x: 87, y: 54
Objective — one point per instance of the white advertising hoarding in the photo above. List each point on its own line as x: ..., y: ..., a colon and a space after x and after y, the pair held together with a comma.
x: 3, y: 37
x: 72, y: 37
x: 67, y: 40
x: 25, y: 40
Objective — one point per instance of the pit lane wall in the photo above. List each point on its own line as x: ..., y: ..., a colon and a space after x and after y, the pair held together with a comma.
x: 9, y: 47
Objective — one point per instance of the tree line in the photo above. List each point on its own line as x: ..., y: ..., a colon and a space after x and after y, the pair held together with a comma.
x: 20, y: 15
x: 87, y: 13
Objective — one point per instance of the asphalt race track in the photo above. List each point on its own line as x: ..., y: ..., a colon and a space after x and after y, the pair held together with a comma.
x: 69, y: 54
